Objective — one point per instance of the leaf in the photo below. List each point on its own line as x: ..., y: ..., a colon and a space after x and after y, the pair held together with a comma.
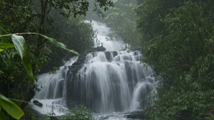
x: 10, y: 107
x: 2, y: 116
x: 22, y: 48
x: 6, y: 45
x: 17, y: 100
x: 59, y: 44
x: 1, y: 50
x: 2, y: 30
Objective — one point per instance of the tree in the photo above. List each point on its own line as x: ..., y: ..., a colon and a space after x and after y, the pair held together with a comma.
x: 183, y: 55
x: 75, y: 33
x: 22, y: 49
x: 122, y: 22
x: 151, y: 12
x: 19, y: 16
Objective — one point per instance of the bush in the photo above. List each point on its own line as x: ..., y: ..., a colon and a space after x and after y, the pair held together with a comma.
x: 80, y: 113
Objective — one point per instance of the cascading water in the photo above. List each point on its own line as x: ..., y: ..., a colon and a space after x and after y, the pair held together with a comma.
x: 52, y: 91
x: 108, y: 81
x: 110, y: 45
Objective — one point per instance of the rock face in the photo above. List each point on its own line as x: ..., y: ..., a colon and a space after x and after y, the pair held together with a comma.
x: 71, y: 76
x: 36, y: 102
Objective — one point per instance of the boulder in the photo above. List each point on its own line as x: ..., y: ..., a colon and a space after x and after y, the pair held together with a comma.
x: 37, y: 103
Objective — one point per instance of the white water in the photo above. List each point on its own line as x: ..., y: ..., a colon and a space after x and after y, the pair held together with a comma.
x: 110, y: 45
x: 52, y: 92
x: 109, y: 83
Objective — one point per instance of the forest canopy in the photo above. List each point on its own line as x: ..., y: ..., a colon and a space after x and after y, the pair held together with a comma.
x: 178, y: 39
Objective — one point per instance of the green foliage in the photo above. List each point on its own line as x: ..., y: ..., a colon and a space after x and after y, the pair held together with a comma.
x: 182, y: 53
x: 96, y: 11
x: 122, y: 21
x: 150, y: 15
x: 22, y: 48
x: 7, y: 45
x: 80, y: 113
x: 59, y: 44
x: 30, y: 114
x: 16, y: 15
x: 69, y: 30
x: 30, y: 15
x: 10, y: 107
x: 75, y: 33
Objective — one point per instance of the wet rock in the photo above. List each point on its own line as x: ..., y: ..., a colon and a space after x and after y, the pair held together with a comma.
x: 37, y: 103
x: 135, y: 53
x: 136, y: 115
x: 108, y: 56
x: 96, y: 49
x: 101, y: 48
x: 114, y: 53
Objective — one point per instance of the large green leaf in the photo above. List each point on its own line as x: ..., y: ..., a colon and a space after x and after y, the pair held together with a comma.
x: 10, y: 107
x: 6, y: 45
x: 22, y: 48
x: 1, y: 50
x: 59, y: 44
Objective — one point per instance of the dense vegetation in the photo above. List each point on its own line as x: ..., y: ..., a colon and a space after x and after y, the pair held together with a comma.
x: 178, y: 38
x: 56, y: 18
x: 121, y: 19
x: 122, y: 22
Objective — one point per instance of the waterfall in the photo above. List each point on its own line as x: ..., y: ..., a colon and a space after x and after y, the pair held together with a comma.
x: 108, y: 81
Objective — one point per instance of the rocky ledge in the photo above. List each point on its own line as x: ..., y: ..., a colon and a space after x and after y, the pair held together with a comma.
x: 141, y: 115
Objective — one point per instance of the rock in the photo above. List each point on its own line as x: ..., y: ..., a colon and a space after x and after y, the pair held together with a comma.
x: 114, y: 53
x: 108, y: 56
x: 53, y: 118
x: 136, y: 115
x: 101, y: 48
x: 135, y: 53
x: 37, y: 103
x: 96, y: 49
